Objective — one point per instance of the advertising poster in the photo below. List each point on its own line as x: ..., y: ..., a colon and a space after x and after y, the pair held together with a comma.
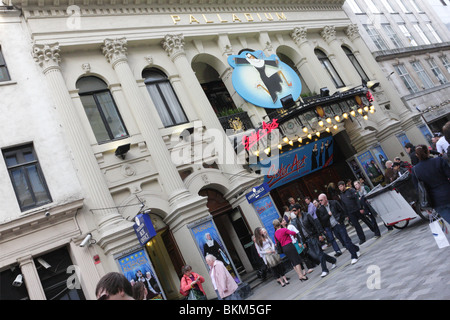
x: 136, y: 267
x: 426, y: 133
x: 300, y: 162
x: 403, y: 139
x: 267, y: 212
x: 371, y: 168
x: 380, y: 156
x: 209, y: 242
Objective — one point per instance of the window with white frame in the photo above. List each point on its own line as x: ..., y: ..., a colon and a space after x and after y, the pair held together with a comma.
x: 393, y: 36
x: 26, y: 176
x: 354, y: 6
x: 426, y: 81
x: 406, y: 78
x: 388, y: 6
x: 421, y: 33
x: 372, y: 7
x: 445, y: 61
x: 4, y: 74
x: 407, y: 34
x: 375, y: 36
x: 433, y: 32
x: 355, y: 63
x: 437, y: 72
x: 415, y: 5
x: 402, y: 6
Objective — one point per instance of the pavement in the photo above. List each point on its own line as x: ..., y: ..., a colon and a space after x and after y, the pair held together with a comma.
x: 400, y: 265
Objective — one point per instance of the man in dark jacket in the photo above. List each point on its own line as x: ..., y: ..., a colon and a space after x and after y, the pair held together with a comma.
x: 311, y: 231
x: 409, y: 147
x: 354, y: 209
x: 332, y: 214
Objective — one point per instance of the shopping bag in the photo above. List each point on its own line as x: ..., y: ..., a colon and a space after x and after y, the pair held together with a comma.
x: 440, y: 232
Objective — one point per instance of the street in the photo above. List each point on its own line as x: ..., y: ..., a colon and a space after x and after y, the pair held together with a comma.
x: 400, y: 265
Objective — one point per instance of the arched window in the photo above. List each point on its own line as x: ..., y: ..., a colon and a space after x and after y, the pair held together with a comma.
x: 166, y: 102
x: 355, y: 63
x: 328, y: 66
x: 100, y: 109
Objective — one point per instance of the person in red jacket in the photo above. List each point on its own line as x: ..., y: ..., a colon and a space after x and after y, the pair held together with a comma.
x: 192, y: 281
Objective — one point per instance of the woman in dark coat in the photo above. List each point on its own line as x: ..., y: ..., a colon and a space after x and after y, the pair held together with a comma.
x: 435, y: 174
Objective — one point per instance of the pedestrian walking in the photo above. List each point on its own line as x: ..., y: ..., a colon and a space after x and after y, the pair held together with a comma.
x: 265, y: 247
x: 282, y: 235
x: 223, y: 282
x: 311, y: 232
x: 435, y: 174
x: 114, y: 286
x: 332, y: 214
x: 368, y: 210
x: 354, y: 209
x: 191, y: 284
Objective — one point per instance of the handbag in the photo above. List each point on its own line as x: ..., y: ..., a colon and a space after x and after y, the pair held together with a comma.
x: 439, y: 229
x: 424, y: 197
x: 273, y: 259
x: 278, y: 246
x: 298, y: 246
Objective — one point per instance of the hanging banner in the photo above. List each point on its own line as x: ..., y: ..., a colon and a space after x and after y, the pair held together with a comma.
x: 267, y: 212
x: 143, y: 227
x: 209, y: 242
x: 262, y: 80
x: 136, y: 266
x: 257, y: 192
x: 300, y: 162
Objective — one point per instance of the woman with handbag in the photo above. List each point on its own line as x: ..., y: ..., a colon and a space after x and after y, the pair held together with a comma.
x: 191, y: 284
x: 282, y: 235
x: 266, y: 249
x: 435, y: 175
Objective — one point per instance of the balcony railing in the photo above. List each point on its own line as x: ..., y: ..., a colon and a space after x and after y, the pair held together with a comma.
x: 236, y: 123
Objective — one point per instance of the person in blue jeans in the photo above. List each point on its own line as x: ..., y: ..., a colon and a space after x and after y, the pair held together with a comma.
x: 331, y: 214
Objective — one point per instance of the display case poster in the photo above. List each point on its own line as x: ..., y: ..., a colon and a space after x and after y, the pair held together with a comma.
x: 353, y: 164
x: 403, y: 139
x: 209, y: 242
x: 136, y: 267
x: 426, y: 133
x: 371, y: 168
x: 381, y: 157
x: 267, y: 212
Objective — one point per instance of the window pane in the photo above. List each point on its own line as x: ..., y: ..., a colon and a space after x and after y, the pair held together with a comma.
x: 160, y: 105
x: 23, y: 193
x: 4, y: 76
x: 95, y: 119
x: 426, y: 81
x: 37, y: 185
x: 332, y: 72
x: 11, y: 161
x: 111, y: 115
x: 173, y: 104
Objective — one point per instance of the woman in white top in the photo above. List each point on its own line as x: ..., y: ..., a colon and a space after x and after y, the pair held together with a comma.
x: 264, y: 245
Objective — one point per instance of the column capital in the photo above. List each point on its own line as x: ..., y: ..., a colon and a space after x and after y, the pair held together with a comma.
x: 173, y: 44
x: 115, y: 50
x: 47, y: 55
x: 299, y: 35
x: 352, y: 32
x: 328, y: 33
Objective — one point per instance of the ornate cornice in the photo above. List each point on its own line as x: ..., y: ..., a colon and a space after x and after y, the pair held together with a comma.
x: 173, y: 44
x: 115, y: 50
x: 328, y: 33
x: 299, y: 35
x: 47, y: 55
x: 352, y: 32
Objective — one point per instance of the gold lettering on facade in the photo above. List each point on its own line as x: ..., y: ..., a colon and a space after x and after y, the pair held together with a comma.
x: 175, y: 19
x: 192, y: 19
x: 248, y: 16
x: 206, y: 19
x: 236, y: 18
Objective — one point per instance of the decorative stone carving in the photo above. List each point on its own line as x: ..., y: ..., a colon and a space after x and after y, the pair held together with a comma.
x: 149, y: 60
x: 47, y: 55
x: 352, y: 32
x: 299, y: 35
x: 115, y: 49
x: 86, y: 67
x: 173, y: 44
x: 328, y: 33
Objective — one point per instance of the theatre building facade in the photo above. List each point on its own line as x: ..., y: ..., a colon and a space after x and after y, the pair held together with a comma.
x: 163, y: 147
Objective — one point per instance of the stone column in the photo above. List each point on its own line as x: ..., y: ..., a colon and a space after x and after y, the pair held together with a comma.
x: 309, y: 66
x: 96, y: 190
x: 115, y: 51
x: 174, y: 46
x: 31, y: 278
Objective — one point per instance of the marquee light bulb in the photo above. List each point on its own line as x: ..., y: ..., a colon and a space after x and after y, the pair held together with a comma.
x: 327, y: 129
x: 360, y: 110
x: 335, y: 127
x: 345, y: 115
x: 337, y: 118
x: 329, y: 120
x: 285, y: 139
x: 353, y: 113
x: 305, y: 129
x: 321, y: 123
x: 300, y: 140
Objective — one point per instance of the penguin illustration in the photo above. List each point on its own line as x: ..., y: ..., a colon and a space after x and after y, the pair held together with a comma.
x: 272, y: 84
